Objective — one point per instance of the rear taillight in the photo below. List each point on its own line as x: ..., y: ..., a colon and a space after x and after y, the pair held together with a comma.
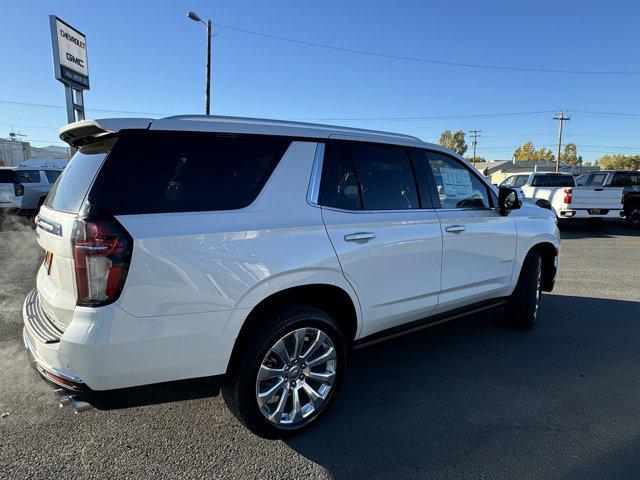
x: 18, y: 189
x: 101, y: 254
x: 568, y: 193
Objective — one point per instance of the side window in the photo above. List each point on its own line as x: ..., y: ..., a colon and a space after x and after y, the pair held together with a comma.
x: 582, y: 180
x: 192, y: 172
x: 386, y: 178
x: 621, y: 179
x: 52, y: 175
x: 520, y: 181
x: 508, y: 182
x: 339, y: 187
x: 28, y: 176
x: 598, y: 179
x: 457, y: 186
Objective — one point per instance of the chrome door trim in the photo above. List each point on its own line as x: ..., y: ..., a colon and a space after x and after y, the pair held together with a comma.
x: 313, y: 194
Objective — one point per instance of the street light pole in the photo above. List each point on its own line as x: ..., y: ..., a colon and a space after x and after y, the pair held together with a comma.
x: 207, y: 105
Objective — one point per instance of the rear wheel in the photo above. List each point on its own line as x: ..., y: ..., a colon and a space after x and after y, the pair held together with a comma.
x: 522, y: 309
x: 289, y: 373
x: 633, y: 217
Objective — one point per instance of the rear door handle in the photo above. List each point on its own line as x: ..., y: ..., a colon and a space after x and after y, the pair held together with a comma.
x: 455, y: 229
x: 359, y: 236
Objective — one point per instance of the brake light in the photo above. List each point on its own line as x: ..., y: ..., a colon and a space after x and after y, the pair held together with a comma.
x: 101, y: 254
x: 568, y: 194
x: 18, y: 189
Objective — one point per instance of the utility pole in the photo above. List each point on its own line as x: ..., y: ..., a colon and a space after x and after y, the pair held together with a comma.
x: 561, y: 118
x: 474, y: 135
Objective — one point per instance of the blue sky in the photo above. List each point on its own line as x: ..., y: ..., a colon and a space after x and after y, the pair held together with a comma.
x: 148, y: 57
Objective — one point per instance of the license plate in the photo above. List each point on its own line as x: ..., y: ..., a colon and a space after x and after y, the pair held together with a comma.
x: 47, y: 262
x: 596, y: 211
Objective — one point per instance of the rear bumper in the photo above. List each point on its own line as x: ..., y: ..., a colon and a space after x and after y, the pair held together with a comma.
x: 107, y: 349
x: 582, y: 214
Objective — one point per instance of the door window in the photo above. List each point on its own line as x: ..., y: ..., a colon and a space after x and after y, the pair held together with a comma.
x: 457, y: 186
x: 508, y: 182
x: 625, y: 179
x: 339, y: 187
x: 582, y: 180
x: 598, y: 179
x: 520, y: 180
x: 386, y: 177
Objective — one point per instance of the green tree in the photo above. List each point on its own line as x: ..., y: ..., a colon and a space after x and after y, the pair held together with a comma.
x: 619, y: 162
x: 454, y: 141
x: 570, y: 155
x: 529, y: 152
x: 479, y: 159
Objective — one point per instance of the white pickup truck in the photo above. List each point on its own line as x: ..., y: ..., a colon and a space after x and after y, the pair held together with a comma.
x: 568, y: 201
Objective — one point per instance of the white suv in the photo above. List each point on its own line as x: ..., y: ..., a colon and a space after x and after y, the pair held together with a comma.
x: 260, y: 252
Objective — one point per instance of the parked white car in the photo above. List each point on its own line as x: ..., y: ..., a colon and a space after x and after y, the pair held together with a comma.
x: 260, y: 252
x: 592, y: 204
x: 23, y: 189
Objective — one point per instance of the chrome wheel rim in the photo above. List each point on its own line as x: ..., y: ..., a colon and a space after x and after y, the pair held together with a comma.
x: 295, y: 377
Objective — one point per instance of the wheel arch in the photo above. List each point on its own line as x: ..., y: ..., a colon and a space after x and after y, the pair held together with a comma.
x: 331, y: 298
x: 549, y: 253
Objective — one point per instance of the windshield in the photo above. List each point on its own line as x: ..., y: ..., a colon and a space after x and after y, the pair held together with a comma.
x: 71, y: 187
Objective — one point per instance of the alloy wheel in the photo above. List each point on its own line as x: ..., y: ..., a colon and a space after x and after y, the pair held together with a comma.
x: 296, y: 376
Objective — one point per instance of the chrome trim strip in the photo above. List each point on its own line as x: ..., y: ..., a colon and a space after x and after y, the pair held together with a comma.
x: 48, y: 226
x: 41, y: 364
x: 313, y: 193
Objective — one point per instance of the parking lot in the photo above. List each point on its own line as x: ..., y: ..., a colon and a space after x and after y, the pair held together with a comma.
x: 468, y: 399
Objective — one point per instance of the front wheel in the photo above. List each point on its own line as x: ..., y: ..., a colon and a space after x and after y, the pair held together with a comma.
x: 523, y: 306
x: 290, y: 372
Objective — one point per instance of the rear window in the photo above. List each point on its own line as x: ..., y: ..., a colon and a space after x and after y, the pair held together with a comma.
x: 28, y: 176
x: 553, y: 181
x: 161, y: 172
x: 7, y: 176
x: 625, y: 179
x: 69, y: 191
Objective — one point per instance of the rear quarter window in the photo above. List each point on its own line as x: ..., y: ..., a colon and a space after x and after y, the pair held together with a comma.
x: 7, y: 176
x: 162, y: 172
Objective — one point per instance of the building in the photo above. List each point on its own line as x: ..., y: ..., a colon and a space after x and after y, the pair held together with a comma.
x: 13, y: 152
x: 497, y: 171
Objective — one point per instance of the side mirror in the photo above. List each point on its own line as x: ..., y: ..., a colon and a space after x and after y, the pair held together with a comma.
x: 508, y: 199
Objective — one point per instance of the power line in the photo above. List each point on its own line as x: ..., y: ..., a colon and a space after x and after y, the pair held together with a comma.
x: 41, y: 105
x: 425, y: 60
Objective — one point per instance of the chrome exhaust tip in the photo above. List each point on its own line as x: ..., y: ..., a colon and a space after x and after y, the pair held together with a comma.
x: 80, y: 406
x: 63, y: 399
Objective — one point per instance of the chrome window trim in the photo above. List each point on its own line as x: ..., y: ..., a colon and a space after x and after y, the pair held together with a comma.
x: 404, y: 210
x: 313, y: 193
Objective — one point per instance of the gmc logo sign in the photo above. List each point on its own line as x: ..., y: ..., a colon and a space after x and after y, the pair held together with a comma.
x: 75, y: 60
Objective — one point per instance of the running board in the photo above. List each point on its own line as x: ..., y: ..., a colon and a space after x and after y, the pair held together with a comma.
x: 432, y: 321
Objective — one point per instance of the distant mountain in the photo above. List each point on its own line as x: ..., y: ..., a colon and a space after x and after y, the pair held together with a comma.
x: 52, y: 151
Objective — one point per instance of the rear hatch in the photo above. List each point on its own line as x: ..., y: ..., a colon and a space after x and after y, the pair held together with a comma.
x: 7, y: 189
x: 55, y: 225
x: 596, y: 198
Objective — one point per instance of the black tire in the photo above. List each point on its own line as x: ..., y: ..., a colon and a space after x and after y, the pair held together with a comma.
x: 239, y: 390
x: 633, y: 217
x: 522, y: 309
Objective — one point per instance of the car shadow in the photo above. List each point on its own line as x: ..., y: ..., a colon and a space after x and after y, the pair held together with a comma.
x: 609, y: 229
x: 474, y: 388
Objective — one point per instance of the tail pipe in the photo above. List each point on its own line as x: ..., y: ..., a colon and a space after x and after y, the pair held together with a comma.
x: 64, y: 399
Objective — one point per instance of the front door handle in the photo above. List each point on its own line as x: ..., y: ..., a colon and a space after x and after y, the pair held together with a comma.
x: 455, y: 229
x: 359, y: 236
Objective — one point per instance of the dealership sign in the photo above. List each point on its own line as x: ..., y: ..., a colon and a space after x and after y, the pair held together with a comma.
x: 69, y: 45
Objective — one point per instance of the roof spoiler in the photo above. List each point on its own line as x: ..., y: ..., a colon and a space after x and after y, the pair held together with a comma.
x: 78, y: 134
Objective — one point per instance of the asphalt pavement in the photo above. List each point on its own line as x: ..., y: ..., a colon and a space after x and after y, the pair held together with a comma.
x: 465, y: 400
